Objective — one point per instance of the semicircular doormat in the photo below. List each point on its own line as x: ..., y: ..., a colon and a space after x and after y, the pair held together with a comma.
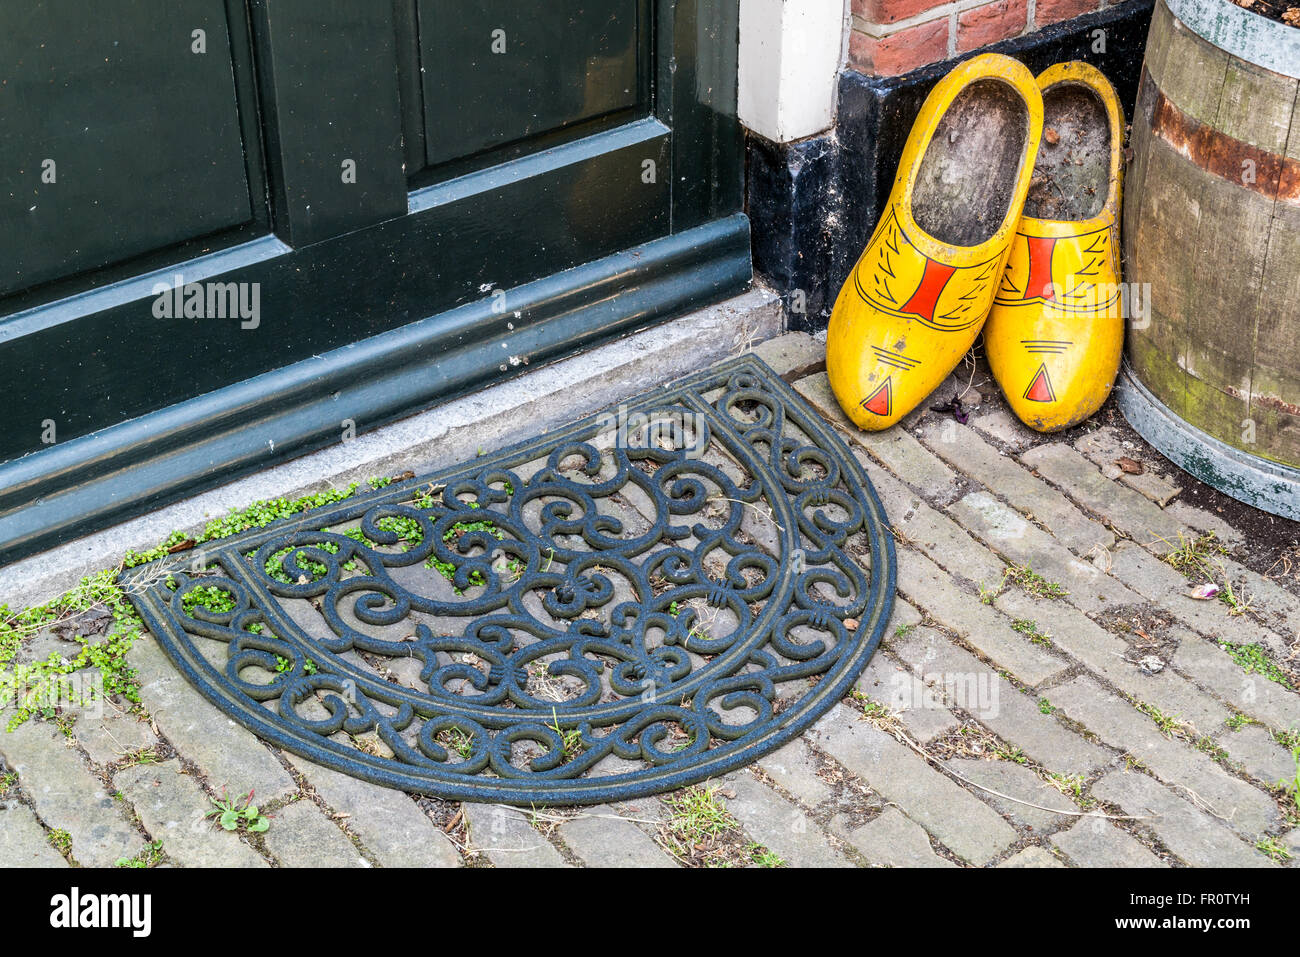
x: 646, y: 598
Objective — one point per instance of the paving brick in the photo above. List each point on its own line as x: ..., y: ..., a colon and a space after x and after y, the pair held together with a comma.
x: 984, y: 628
x: 1246, y: 809
x: 1124, y: 508
x: 1109, y: 656
x: 1105, y: 446
x: 997, y: 422
x: 1194, y: 836
x: 389, y: 823
x: 896, y: 449
x: 1253, y: 694
x: 962, y: 448
x: 1032, y: 857
x: 1011, y: 536
x: 228, y: 753
x: 795, y: 354
x: 646, y: 809
x: 778, y: 825
x: 932, y: 532
x: 1292, y: 841
x: 604, y: 838
x: 301, y: 836
x: 957, y: 385
x: 1167, y: 588
x: 172, y: 806
x: 23, y: 842
x: 1254, y: 749
x: 954, y: 816
x: 1199, y: 520
x: 1006, y: 711
x: 816, y: 389
x: 904, y: 616
x: 66, y: 796
x: 795, y: 768
x: 1095, y: 842
x: 1017, y: 781
x: 1279, y: 608
x: 911, y: 461
x: 891, y: 840
x: 110, y: 736
x: 43, y: 644
x: 507, y: 839
x: 919, y: 707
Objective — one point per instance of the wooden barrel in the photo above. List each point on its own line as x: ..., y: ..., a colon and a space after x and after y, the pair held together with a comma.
x: 1212, y: 224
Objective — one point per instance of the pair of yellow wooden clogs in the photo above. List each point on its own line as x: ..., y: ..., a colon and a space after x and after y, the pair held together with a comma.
x: 1003, y: 217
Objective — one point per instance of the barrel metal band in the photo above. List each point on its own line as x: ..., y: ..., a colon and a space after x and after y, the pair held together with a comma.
x: 1273, y: 176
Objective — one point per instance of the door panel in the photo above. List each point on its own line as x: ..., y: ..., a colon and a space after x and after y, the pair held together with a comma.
x: 588, y: 183
x: 334, y: 132
x: 325, y: 296
x: 101, y: 159
x: 495, y: 72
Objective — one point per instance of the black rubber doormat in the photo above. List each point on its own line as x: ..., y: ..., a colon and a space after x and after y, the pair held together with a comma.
x: 644, y: 599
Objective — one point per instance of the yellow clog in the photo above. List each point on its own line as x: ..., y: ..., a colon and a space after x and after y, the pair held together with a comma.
x: 920, y: 293
x: 1056, y: 330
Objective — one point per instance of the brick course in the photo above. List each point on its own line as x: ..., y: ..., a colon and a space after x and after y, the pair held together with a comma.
x: 899, y: 52
x: 991, y: 23
x: 891, y: 11
x: 891, y: 37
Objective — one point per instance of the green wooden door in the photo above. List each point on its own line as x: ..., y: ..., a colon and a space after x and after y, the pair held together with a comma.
x: 229, y: 226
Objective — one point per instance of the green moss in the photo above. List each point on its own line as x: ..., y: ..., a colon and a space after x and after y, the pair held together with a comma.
x: 150, y: 855
x: 257, y: 515
x: 1029, y: 628
x: 213, y: 598
x: 1255, y: 660
x: 28, y: 687
x: 448, y: 569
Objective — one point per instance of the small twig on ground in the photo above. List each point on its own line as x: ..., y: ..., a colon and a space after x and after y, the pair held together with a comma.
x: 768, y: 514
x: 906, y: 739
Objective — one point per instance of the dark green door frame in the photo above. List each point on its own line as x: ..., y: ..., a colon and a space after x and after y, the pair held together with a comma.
x: 376, y: 300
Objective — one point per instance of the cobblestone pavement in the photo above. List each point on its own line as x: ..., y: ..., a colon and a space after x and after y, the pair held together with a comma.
x: 1118, y: 725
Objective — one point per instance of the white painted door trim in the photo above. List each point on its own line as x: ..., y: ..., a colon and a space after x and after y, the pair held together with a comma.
x: 791, y: 53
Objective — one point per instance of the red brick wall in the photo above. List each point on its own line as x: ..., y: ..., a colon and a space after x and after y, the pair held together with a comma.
x: 894, y: 36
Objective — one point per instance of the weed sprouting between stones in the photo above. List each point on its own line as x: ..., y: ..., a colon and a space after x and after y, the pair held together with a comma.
x: 1028, y: 580
x: 238, y: 814
x: 763, y: 857
x: 1272, y: 849
x: 1029, y: 628
x: 1253, y: 659
x: 700, y: 831
x: 1201, y: 559
x: 151, y: 855
x: 61, y: 841
x: 33, y: 687
x: 29, y: 686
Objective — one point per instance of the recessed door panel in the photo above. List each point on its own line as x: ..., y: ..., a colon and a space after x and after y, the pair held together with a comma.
x: 119, y: 133
x: 495, y: 72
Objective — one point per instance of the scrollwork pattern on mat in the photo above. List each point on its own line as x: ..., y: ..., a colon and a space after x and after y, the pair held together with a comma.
x: 641, y: 599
